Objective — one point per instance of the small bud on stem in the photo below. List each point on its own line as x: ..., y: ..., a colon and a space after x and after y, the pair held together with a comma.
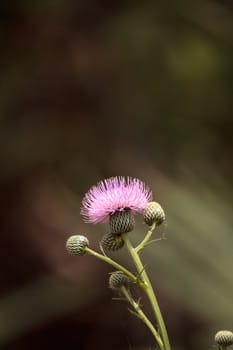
x: 112, y: 242
x: 118, y: 280
x: 154, y: 213
x: 76, y: 244
x: 224, y: 338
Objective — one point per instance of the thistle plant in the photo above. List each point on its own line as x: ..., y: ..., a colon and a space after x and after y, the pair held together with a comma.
x: 116, y: 201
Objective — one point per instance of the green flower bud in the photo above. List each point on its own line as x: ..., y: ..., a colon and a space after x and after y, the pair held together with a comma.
x: 76, y: 244
x: 121, y: 221
x: 154, y: 213
x: 112, y: 242
x: 117, y: 280
x: 224, y: 338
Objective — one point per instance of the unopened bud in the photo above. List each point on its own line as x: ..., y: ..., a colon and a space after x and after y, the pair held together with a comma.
x: 76, y: 244
x: 112, y: 242
x: 224, y: 338
x: 154, y: 213
x: 117, y: 280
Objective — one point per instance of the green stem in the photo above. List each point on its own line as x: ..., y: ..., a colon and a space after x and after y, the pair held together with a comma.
x: 114, y: 264
x: 149, y: 291
x: 146, y: 239
x: 142, y: 316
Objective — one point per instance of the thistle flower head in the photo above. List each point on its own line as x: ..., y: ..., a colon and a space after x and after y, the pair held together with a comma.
x: 114, y: 194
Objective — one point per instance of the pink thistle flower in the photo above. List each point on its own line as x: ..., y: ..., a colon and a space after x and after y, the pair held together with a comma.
x: 114, y: 194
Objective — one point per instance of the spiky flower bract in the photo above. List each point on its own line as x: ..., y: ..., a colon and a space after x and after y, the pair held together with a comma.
x: 121, y: 221
x: 114, y: 194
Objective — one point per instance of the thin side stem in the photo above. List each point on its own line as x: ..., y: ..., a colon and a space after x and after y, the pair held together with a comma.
x: 149, y: 291
x: 114, y: 264
x: 145, y: 241
x: 140, y: 314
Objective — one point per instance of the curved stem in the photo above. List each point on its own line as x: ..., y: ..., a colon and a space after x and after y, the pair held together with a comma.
x: 140, y: 314
x: 114, y: 264
x: 149, y: 291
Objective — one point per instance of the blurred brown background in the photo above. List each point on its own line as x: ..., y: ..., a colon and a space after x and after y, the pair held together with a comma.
x: 92, y: 89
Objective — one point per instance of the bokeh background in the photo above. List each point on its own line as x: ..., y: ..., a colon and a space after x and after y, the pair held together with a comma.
x: 91, y: 89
